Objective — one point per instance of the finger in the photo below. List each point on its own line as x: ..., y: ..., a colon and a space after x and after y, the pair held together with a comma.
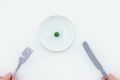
x: 112, y: 77
x: 7, y: 77
x: 13, y: 78
x: 102, y: 78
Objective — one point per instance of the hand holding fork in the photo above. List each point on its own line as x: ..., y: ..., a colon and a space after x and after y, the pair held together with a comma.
x: 23, y: 58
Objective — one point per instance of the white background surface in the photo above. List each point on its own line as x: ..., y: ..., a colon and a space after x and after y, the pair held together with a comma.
x: 96, y: 21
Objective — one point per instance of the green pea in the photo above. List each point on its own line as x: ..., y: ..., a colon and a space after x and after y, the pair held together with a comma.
x: 56, y: 34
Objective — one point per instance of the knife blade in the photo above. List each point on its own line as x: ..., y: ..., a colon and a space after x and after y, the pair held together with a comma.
x: 94, y: 59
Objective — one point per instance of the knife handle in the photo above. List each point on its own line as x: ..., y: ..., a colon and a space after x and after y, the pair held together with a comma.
x: 104, y: 74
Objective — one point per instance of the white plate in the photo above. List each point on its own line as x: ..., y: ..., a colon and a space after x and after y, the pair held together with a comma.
x: 57, y: 33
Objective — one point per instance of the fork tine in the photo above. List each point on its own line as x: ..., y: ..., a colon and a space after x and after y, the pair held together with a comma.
x: 25, y: 51
x: 29, y: 53
x: 27, y: 56
x: 29, y: 50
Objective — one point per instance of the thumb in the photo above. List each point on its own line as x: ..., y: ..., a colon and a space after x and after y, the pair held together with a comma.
x: 7, y: 77
x: 13, y: 78
x: 102, y: 78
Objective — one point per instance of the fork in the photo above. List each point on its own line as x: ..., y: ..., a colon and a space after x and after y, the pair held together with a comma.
x: 23, y: 58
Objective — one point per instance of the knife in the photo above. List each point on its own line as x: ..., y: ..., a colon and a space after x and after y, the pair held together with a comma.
x: 94, y: 59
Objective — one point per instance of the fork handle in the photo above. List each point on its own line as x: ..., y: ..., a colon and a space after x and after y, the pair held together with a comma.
x: 16, y: 70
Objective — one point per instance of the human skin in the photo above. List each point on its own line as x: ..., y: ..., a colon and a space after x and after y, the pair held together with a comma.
x: 7, y: 77
x: 111, y: 77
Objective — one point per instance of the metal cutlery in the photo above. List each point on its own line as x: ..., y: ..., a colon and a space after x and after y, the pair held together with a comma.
x: 94, y: 59
x: 23, y: 58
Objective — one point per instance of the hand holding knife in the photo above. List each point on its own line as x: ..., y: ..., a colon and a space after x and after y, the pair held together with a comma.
x: 94, y: 59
